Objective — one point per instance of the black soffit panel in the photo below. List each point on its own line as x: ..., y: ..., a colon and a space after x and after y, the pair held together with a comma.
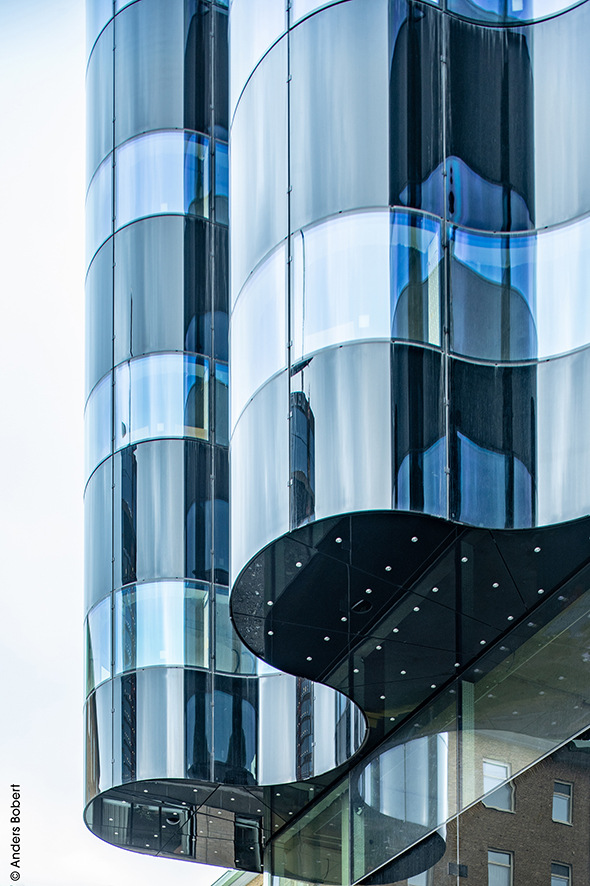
x: 387, y: 607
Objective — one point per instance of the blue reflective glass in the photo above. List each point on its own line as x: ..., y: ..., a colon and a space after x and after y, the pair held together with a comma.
x: 162, y: 172
x: 222, y: 403
x: 415, y: 257
x: 221, y: 183
x: 99, y: 208
x: 98, y: 650
x: 163, y: 395
x: 97, y: 425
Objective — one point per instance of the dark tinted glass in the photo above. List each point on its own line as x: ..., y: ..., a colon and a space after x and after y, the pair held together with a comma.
x: 97, y: 534
x: 419, y: 451
x: 235, y: 707
x: 162, y: 511
x: 221, y: 513
x: 493, y: 450
x: 221, y: 293
x: 198, y: 724
x: 162, y: 293
x: 99, y: 102
x: 99, y: 316
x: 221, y: 76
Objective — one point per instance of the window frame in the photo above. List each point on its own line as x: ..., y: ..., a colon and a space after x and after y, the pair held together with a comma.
x: 510, y: 865
x: 562, y: 880
x: 505, y: 782
x: 570, y: 798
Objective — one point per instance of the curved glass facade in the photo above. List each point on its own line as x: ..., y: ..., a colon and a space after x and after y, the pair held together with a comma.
x: 177, y: 707
x: 409, y: 338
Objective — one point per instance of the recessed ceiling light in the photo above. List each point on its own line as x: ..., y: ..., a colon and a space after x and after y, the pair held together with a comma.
x: 355, y: 671
x: 541, y: 591
x: 435, y: 590
x: 270, y: 633
x: 344, y: 618
x: 269, y: 602
x: 395, y: 631
x: 416, y: 609
x: 368, y: 591
x: 464, y: 559
x: 378, y: 647
x: 495, y: 585
x: 382, y: 697
x: 388, y: 568
x: 433, y: 685
x: 537, y: 549
x: 510, y: 618
x: 403, y: 673
x: 309, y: 658
x: 326, y: 639
x: 457, y: 664
x: 299, y: 564
x: 338, y: 540
x: 561, y: 598
x: 392, y: 719
x: 482, y: 642
x: 414, y: 538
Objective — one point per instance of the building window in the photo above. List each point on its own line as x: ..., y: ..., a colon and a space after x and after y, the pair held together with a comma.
x: 562, y: 802
x: 497, y: 795
x: 561, y: 874
x: 500, y: 868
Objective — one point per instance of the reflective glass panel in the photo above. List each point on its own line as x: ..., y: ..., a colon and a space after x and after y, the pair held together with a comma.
x: 255, y: 25
x: 503, y: 293
x: 235, y: 729
x: 98, y: 12
x: 562, y: 802
x: 231, y: 656
x: 164, y: 395
x: 415, y: 260
x: 347, y: 448
x: 419, y: 444
x: 159, y: 707
x: 97, y: 425
x: 98, y: 644
x: 221, y: 184
x: 161, y: 623
x: 221, y: 515
x: 222, y: 403
x: 341, y: 282
x: 98, y: 511
x: 99, y: 316
x: 99, y: 742
x: 162, y: 172
x: 339, y: 97
x: 162, y: 287
x: 258, y: 166
x: 221, y: 79
x: 258, y: 331
x: 149, y: 68
x: 99, y: 208
x: 260, y: 472
x: 301, y: 8
x: 563, y: 426
x: 162, y: 512
x: 99, y: 101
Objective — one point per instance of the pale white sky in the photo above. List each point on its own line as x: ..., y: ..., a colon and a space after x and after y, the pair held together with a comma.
x: 42, y: 122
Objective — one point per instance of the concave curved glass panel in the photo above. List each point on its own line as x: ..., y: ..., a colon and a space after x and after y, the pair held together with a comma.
x: 162, y: 172
x: 98, y: 644
x: 98, y: 425
x: 494, y: 452
x: 340, y: 282
x: 163, y: 287
x: 416, y: 277
x: 99, y: 316
x: 99, y: 208
x: 235, y: 729
x: 563, y: 429
x: 222, y: 403
x: 260, y: 472
x: 339, y: 111
x: 520, y: 297
x: 258, y: 166
x: 98, y: 519
x: 99, y: 102
x: 255, y: 25
x: 419, y: 439
x: 344, y: 394
x: 259, y: 330
x: 221, y: 183
x: 507, y: 168
x: 162, y: 511
x: 162, y: 395
x: 161, y: 623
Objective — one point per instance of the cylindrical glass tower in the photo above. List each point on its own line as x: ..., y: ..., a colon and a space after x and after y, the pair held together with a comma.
x: 183, y: 726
